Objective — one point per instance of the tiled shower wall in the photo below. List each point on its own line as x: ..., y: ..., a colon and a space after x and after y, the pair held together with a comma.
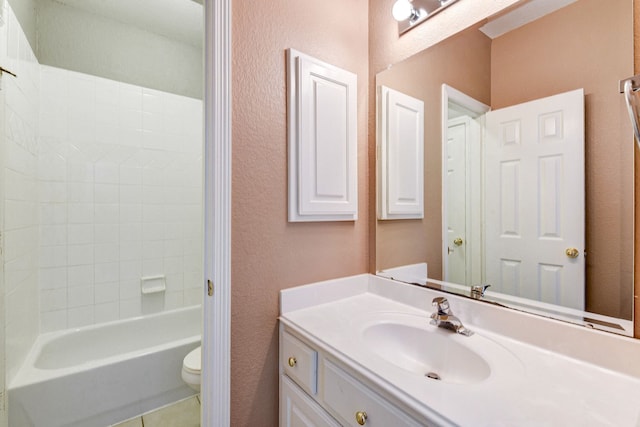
x: 120, y: 184
x: 19, y: 212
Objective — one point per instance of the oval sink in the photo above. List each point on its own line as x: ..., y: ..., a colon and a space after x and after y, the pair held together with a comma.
x: 431, y: 352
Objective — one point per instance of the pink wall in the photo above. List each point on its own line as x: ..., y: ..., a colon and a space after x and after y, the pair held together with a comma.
x: 268, y: 253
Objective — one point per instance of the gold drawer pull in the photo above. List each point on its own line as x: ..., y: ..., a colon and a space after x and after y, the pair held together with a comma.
x: 361, y: 417
x: 292, y: 361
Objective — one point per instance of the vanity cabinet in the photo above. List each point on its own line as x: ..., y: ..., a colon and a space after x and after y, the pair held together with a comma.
x: 318, y: 390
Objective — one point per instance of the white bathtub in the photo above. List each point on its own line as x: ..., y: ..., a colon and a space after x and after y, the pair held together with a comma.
x: 101, y: 374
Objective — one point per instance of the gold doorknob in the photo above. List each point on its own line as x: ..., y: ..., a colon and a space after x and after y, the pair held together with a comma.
x: 572, y: 252
x: 457, y: 241
x: 292, y: 361
x: 361, y: 417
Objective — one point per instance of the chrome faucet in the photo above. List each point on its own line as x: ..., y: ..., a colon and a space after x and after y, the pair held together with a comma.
x: 477, y: 291
x: 443, y: 318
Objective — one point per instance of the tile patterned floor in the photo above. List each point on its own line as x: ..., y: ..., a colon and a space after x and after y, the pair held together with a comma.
x: 185, y: 413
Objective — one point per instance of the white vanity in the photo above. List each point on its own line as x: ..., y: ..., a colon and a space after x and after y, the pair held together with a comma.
x: 361, y: 351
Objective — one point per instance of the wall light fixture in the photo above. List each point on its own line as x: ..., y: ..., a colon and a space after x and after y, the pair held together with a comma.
x: 410, y: 13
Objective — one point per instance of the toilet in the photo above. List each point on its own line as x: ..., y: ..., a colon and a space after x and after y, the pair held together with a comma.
x: 191, y: 366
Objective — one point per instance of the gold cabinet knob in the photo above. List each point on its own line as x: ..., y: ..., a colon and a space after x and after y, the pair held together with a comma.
x: 457, y: 241
x: 292, y: 361
x: 361, y: 417
x: 572, y: 252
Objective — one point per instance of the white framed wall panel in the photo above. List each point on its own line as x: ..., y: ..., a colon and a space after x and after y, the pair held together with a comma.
x: 400, y: 136
x: 322, y: 133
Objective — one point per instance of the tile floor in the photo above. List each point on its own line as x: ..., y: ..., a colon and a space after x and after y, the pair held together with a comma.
x: 185, y: 413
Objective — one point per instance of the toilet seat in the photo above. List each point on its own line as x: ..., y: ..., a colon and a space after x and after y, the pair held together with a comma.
x: 191, y: 368
x: 193, y: 361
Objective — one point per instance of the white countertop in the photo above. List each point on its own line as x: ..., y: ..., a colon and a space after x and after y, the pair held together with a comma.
x: 528, y: 386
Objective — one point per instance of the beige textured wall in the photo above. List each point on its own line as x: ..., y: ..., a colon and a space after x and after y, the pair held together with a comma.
x: 268, y: 253
x: 421, y: 76
x: 525, y: 68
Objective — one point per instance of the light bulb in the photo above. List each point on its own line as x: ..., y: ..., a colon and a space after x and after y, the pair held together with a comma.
x: 402, y: 10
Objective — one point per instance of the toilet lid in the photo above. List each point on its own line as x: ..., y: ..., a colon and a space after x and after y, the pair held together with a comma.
x: 193, y: 361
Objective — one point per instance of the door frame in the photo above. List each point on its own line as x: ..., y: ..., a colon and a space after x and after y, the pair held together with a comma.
x: 216, y: 333
x: 475, y: 109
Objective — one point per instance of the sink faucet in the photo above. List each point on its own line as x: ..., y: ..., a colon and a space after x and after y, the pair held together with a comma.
x: 443, y: 318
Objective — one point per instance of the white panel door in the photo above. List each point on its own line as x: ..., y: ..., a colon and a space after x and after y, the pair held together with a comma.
x: 400, y: 160
x: 456, y: 187
x: 323, y: 145
x: 534, y: 170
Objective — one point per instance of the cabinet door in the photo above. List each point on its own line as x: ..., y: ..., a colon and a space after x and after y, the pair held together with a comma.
x: 299, y: 410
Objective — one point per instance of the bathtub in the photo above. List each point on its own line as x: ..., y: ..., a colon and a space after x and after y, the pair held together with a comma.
x: 102, y: 374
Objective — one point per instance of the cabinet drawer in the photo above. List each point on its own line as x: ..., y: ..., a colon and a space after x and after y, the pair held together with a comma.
x: 345, y: 396
x: 300, y: 362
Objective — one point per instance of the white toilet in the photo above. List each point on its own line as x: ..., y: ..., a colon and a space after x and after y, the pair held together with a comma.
x: 191, y: 367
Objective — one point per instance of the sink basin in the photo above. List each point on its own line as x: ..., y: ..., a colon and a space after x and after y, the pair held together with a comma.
x: 427, y: 351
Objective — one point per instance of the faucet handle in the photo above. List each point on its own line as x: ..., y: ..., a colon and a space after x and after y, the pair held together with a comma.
x: 442, y: 304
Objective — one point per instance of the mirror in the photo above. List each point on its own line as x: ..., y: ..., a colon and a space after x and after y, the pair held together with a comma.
x: 585, y: 45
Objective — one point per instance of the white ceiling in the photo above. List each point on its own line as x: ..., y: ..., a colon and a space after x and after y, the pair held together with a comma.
x: 180, y: 20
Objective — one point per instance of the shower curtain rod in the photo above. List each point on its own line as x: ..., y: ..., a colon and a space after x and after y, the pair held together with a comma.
x: 630, y: 88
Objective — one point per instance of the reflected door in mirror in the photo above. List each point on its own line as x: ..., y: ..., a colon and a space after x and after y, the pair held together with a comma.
x: 534, y: 167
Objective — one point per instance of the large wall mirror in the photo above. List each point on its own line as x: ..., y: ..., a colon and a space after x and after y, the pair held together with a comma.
x: 556, y: 227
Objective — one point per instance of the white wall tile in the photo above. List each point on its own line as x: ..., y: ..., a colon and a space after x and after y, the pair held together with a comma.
x: 80, y: 316
x: 152, y: 267
x: 53, y: 299
x: 129, y: 289
x: 174, y: 282
x: 107, y: 252
x: 52, y: 278
x: 106, y: 193
x: 130, y: 194
x: 80, y: 213
x: 111, y: 210
x: 106, y: 233
x: 53, y: 235
x: 106, y: 272
x: 107, y: 292
x: 79, y: 192
x: 80, y: 171
x: 131, y: 232
x: 53, y: 256
x: 130, y: 175
x: 80, y: 296
x: 107, y: 213
x: 130, y: 308
x: 152, y: 213
x: 130, y: 213
x: 107, y: 172
x: 131, y: 251
x: 80, y: 255
x: 53, y: 320
x: 107, y: 312
x: 152, y: 249
x: 53, y: 213
x: 80, y: 234
x: 130, y: 270
x: 193, y: 279
x: 193, y: 296
x: 80, y: 275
